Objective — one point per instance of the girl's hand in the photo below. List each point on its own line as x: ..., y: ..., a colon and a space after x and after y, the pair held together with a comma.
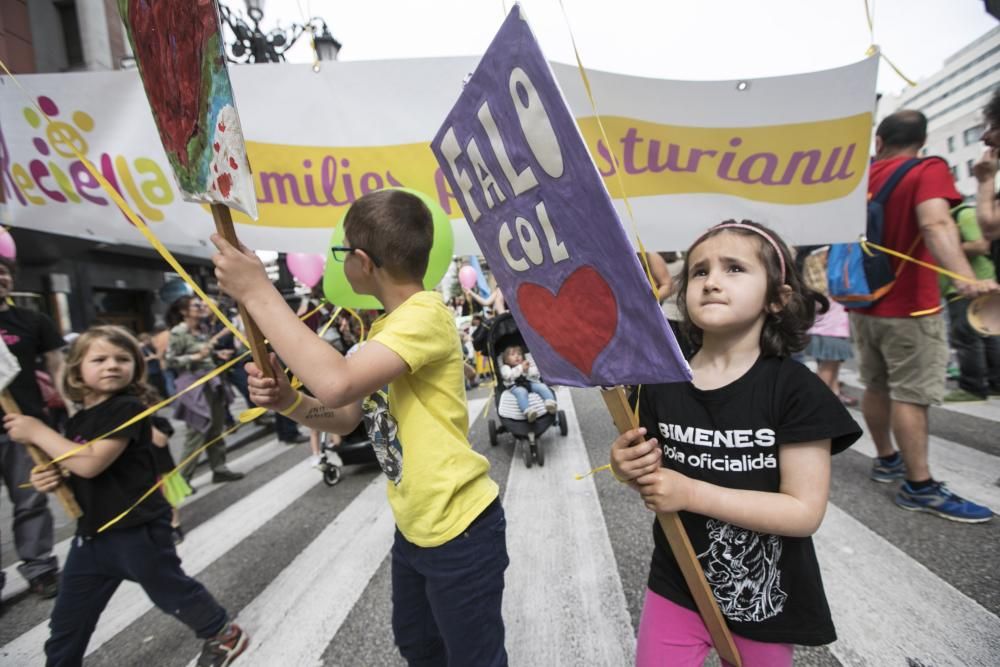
x: 47, y: 479
x: 22, y: 428
x: 273, y: 394
x: 632, y: 456
x: 665, y: 490
x: 239, y: 271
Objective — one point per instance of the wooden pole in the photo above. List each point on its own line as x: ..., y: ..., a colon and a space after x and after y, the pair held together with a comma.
x: 625, y: 420
x: 258, y: 347
x: 63, y: 493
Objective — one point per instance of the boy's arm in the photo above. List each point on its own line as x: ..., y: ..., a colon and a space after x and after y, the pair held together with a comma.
x: 88, y: 462
x: 334, y: 380
x: 277, y: 394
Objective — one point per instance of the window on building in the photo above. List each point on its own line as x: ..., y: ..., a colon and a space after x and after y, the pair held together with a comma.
x: 973, y: 135
x: 71, y: 33
x: 954, y: 173
x: 951, y: 144
x: 968, y: 166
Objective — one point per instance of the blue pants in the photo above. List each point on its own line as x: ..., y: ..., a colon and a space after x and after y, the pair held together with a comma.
x: 97, y: 565
x: 521, y: 394
x: 446, y: 600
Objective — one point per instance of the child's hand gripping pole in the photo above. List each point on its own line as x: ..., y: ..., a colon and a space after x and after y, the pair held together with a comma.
x: 680, y: 545
x: 62, y: 492
x: 258, y: 347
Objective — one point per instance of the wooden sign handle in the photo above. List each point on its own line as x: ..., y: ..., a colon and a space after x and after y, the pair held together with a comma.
x: 62, y: 492
x: 258, y: 347
x: 680, y: 545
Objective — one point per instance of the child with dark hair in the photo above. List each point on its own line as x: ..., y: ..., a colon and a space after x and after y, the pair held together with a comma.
x: 105, y: 374
x: 742, y: 452
x: 450, y: 552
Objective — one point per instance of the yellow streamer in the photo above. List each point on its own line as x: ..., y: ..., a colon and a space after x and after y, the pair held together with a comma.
x: 607, y: 143
x: 926, y: 265
x: 163, y: 479
x: 874, y: 49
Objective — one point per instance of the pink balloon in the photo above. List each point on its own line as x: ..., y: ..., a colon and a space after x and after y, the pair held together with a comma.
x: 7, y: 247
x: 306, y: 267
x: 467, y: 277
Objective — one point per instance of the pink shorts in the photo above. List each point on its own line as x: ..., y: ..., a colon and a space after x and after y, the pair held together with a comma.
x: 670, y: 634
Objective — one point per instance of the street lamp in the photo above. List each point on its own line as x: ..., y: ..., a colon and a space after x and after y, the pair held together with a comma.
x: 253, y: 45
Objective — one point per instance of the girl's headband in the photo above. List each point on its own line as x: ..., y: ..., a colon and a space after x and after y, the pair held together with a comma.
x: 750, y: 228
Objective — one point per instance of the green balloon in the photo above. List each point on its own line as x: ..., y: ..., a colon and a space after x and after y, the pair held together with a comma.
x: 338, y: 290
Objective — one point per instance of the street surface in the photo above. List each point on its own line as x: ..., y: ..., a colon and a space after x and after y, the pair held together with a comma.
x: 305, y: 567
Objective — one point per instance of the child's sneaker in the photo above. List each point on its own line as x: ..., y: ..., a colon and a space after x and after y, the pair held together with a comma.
x: 551, y: 407
x: 888, y: 471
x: 223, y: 648
x: 937, y: 499
x: 314, y: 461
x: 531, y: 415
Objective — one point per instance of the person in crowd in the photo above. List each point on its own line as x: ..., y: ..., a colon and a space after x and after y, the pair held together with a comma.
x: 204, y: 408
x: 743, y: 452
x: 154, y: 363
x: 494, y: 302
x: 29, y: 335
x: 161, y: 341
x: 674, y: 262
x: 985, y: 171
x: 900, y: 340
x: 447, y: 508
x: 105, y: 374
x: 978, y: 355
x: 663, y: 282
x: 522, y: 378
x: 830, y: 335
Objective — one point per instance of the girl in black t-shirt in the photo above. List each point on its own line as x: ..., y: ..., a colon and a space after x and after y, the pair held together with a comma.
x: 105, y: 372
x: 743, y: 453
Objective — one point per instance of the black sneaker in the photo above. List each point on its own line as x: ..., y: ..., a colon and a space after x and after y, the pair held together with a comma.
x: 223, y: 648
x: 226, y: 476
x: 46, y: 585
x: 177, y: 534
x: 296, y: 439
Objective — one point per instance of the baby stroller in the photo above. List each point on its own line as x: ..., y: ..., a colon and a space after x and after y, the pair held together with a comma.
x: 499, y: 334
x: 354, y: 449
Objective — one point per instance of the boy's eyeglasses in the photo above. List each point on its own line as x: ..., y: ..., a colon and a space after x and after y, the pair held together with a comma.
x: 340, y: 253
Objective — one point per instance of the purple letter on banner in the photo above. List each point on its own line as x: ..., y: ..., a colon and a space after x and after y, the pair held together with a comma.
x: 516, y: 161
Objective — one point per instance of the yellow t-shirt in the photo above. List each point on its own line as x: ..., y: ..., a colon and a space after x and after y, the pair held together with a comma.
x: 441, y: 484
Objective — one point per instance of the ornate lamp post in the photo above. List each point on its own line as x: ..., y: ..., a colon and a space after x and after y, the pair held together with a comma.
x: 253, y: 45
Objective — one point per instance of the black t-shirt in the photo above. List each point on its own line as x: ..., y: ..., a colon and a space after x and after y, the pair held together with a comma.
x: 768, y: 586
x: 28, y: 334
x: 110, y: 493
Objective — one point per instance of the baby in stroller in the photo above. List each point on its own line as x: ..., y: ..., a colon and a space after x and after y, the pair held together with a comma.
x: 520, y: 375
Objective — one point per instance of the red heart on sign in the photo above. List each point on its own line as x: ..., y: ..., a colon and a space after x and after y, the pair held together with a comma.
x: 578, y: 322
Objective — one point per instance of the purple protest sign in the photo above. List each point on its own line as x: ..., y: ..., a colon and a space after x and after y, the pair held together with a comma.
x: 514, y: 157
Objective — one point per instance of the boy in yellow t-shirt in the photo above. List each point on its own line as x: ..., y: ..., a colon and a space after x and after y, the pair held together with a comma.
x: 449, y: 552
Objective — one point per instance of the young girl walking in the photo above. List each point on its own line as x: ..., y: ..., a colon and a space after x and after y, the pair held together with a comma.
x: 743, y: 453
x: 104, y: 373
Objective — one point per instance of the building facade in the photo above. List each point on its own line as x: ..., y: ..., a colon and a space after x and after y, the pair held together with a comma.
x: 953, y: 100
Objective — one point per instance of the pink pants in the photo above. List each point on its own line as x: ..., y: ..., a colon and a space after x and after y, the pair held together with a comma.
x: 673, y: 636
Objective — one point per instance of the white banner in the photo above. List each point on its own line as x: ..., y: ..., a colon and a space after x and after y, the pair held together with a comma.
x: 791, y: 152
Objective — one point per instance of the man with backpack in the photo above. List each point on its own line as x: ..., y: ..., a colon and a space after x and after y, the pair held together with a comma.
x: 901, y: 342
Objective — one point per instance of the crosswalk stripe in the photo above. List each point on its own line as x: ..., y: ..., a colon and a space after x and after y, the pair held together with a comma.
x: 313, y: 595
x: 563, y: 602
x: 869, y: 581
x: 968, y: 471
x: 245, y: 463
x: 203, y: 545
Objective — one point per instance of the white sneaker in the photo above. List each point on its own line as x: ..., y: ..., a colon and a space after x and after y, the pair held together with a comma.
x: 551, y: 407
x: 531, y: 415
x: 314, y: 461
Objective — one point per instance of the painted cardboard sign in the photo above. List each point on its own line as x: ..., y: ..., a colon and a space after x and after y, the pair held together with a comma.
x: 179, y: 51
x: 517, y: 163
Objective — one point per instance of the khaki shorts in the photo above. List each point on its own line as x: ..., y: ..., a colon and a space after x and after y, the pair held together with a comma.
x: 906, y: 357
